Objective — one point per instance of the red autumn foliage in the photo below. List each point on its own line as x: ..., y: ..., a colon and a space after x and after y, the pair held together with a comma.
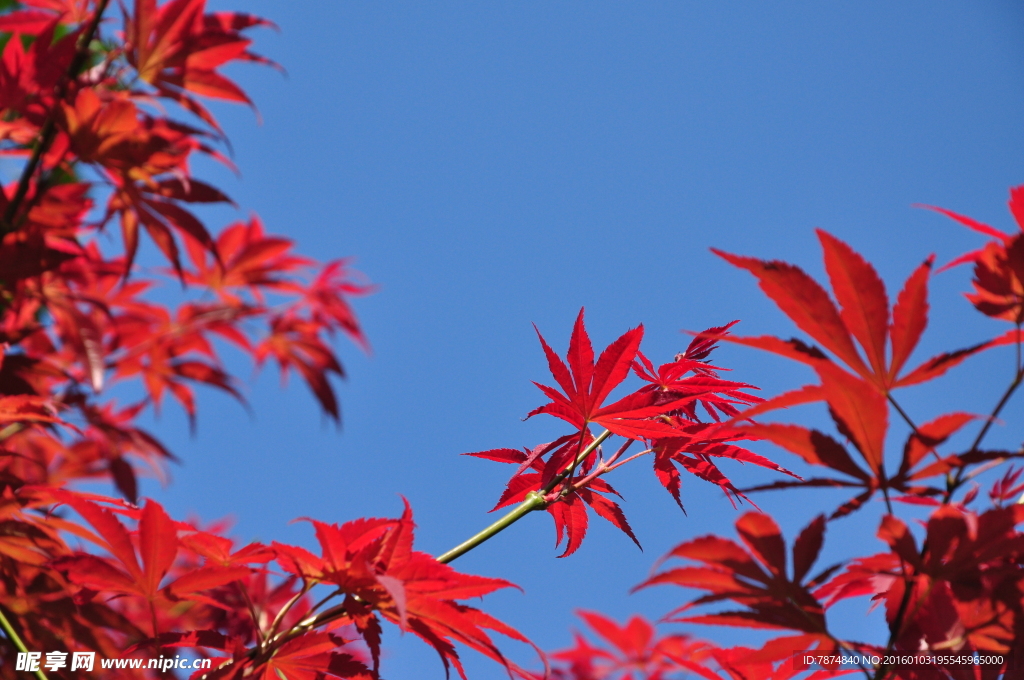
x: 91, y: 573
x: 955, y: 591
x: 662, y: 414
x: 119, y: 577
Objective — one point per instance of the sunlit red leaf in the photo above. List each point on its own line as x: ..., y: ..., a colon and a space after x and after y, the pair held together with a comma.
x: 909, y: 317
x: 805, y: 302
x: 862, y: 299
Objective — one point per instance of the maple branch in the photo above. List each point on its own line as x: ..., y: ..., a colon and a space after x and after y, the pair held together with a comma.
x: 13, y: 636
x: 628, y: 460
x: 610, y: 463
x: 996, y: 411
x: 897, y: 624
x: 326, y: 599
x: 985, y: 467
x: 888, y: 501
x: 568, y: 472
x: 910, y: 422
x: 337, y: 611
x: 49, y: 130
x: 614, y: 462
x: 534, y: 501
x: 271, y: 641
x: 310, y: 622
x: 579, y: 459
x: 260, y: 653
x: 896, y: 627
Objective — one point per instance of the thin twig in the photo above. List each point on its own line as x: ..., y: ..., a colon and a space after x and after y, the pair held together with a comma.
x: 984, y: 467
x: 577, y: 460
x: 959, y: 479
x: 897, y: 623
x: 903, y: 414
x: 603, y: 468
x: 618, y: 453
x: 1019, y: 367
x: 628, y: 460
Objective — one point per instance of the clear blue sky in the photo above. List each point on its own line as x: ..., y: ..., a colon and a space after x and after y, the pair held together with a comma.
x: 493, y: 165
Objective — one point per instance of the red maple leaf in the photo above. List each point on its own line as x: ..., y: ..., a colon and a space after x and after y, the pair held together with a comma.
x: 863, y: 316
x: 178, y: 48
x: 372, y: 563
x: 958, y: 591
x: 310, y: 657
x: 139, y: 560
x: 998, y: 266
x: 755, y: 576
x: 586, y: 385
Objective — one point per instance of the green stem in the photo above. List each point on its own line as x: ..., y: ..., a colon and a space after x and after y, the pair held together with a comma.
x: 534, y: 501
x: 13, y: 636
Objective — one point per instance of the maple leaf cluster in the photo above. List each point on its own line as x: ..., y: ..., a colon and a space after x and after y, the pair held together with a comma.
x: 998, y: 266
x: 83, y: 115
x: 564, y: 476
x: 954, y: 588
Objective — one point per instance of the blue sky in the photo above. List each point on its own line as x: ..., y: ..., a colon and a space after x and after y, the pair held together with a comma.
x: 492, y: 166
